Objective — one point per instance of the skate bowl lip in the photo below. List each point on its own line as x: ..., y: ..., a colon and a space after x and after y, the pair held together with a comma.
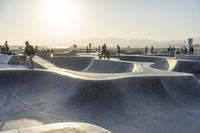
x: 118, y: 66
x: 139, y: 69
x: 101, y: 65
x: 99, y: 76
x: 49, y: 128
x: 135, y: 68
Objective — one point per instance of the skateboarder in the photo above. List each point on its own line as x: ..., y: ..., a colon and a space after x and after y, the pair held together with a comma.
x: 29, y: 51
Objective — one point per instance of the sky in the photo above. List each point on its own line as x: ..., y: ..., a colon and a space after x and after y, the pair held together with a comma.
x: 65, y: 20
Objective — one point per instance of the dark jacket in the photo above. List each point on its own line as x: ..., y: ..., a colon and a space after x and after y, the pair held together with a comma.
x: 29, y: 50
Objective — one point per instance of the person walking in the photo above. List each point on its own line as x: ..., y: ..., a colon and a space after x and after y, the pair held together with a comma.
x: 118, y: 50
x: 104, y: 50
x: 152, y: 49
x: 146, y: 50
x: 29, y: 52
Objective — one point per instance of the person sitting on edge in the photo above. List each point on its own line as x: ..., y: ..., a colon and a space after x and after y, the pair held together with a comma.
x: 29, y: 51
x: 5, y: 48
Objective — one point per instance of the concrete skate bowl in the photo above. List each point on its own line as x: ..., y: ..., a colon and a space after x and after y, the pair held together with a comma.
x: 169, y: 64
x: 106, y: 66
x: 135, y: 104
x: 47, y: 55
x: 89, y: 64
x: 75, y: 63
x: 158, y: 62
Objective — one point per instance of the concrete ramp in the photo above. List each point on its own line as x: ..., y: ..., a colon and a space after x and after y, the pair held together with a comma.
x: 70, y: 127
x: 133, y: 104
x: 113, y: 96
x: 89, y: 64
x: 75, y: 63
x: 109, y: 66
x: 159, y: 62
x: 169, y: 64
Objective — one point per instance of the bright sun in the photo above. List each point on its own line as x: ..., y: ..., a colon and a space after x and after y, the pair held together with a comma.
x: 61, y: 16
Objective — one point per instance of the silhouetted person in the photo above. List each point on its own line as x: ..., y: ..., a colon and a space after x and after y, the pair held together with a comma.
x: 108, y: 54
x: 146, y: 50
x: 185, y: 50
x: 51, y: 54
x: 104, y: 49
x: 29, y: 51
x: 177, y: 51
x: 173, y: 49
x: 192, y: 50
x: 90, y: 47
x: 152, y: 49
x: 5, y: 48
x: 118, y: 50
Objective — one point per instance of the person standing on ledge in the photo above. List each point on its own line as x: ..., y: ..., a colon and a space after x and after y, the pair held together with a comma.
x: 29, y: 51
x: 118, y: 50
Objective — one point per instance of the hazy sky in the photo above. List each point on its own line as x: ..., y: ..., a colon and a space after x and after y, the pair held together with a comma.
x: 64, y: 20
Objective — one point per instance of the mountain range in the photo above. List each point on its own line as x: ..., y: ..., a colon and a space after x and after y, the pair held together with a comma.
x: 112, y: 42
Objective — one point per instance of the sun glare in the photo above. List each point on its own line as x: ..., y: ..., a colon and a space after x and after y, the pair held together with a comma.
x: 61, y: 17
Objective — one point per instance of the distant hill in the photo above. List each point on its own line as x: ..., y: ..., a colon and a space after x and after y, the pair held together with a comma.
x: 112, y: 42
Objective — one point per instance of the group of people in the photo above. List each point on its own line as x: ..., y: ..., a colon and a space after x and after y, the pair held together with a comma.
x: 186, y: 50
x: 146, y: 50
x: 104, y: 52
x: 29, y: 51
x: 89, y: 48
x: 171, y: 50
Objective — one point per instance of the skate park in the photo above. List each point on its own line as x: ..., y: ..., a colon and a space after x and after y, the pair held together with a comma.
x: 81, y: 93
x: 99, y: 66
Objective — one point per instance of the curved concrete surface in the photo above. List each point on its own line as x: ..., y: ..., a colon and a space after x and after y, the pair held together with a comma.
x: 169, y: 64
x: 89, y: 64
x: 160, y: 62
x: 132, y: 104
x: 16, y: 60
x: 107, y: 66
x: 142, y: 100
x: 65, y: 127
x: 75, y: 63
